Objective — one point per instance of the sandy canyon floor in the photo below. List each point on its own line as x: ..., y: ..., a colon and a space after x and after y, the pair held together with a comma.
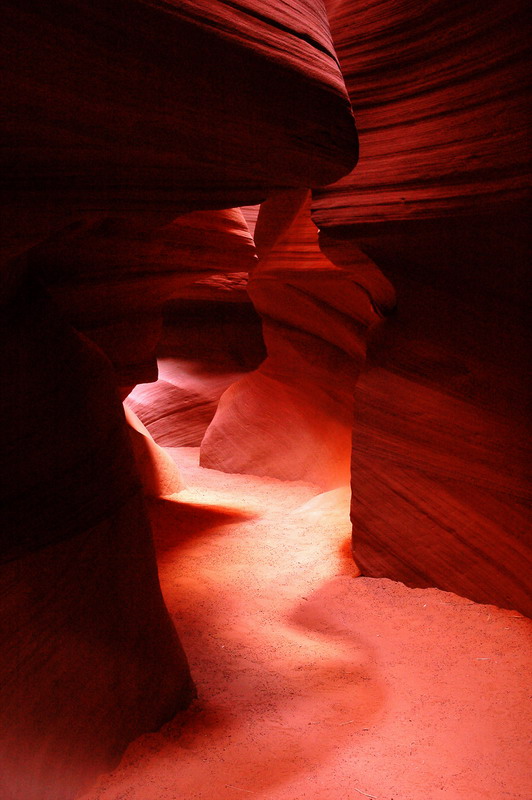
x: 314, y: 683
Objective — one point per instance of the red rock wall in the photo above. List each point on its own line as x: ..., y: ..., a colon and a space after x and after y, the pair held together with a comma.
x: 111, y: 277
x: 118, y: 118
x: 164, y: 107
x: 441, y: 98
x: 292, y: 417
x: 89, y: 657
x: 439, y: 201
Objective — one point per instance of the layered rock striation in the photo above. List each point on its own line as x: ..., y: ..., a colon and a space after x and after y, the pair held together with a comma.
x: 440, y: 201
x: 123, y: 122
x: 441, y: 97
x: 292, y: 417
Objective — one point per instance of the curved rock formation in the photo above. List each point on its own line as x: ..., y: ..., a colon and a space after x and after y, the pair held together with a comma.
x: 90, y: 658
x: 439, y: 202
x: 126, y: 124
x: 119, y: 117
x: 157, y: 471
x: 441, y: 98
x: 111, y: 277
x: 160, y: 107
x: 299, y: 403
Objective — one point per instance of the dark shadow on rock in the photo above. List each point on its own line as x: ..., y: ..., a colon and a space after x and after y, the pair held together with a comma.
x: 176, y: 523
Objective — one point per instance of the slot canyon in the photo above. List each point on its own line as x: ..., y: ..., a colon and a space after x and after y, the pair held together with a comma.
x: 265, y: 497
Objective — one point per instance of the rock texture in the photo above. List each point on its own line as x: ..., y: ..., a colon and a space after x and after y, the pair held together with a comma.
x: 314, y: 682
x: 129, y: 125
x: 299, y: 403
x: 160, y: 107
x: 439, y: 202
x: 205, y: 347
x: 174, y: 415
x: 125, y: 124
x: 441, y: 453
x: 90, y: 658
x: 158, y: 473
x: 441, y: 99
x: 112, y: 277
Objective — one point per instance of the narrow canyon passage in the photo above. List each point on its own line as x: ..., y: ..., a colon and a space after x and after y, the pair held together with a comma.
x: 291, y: 241
x: 315, y: 683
